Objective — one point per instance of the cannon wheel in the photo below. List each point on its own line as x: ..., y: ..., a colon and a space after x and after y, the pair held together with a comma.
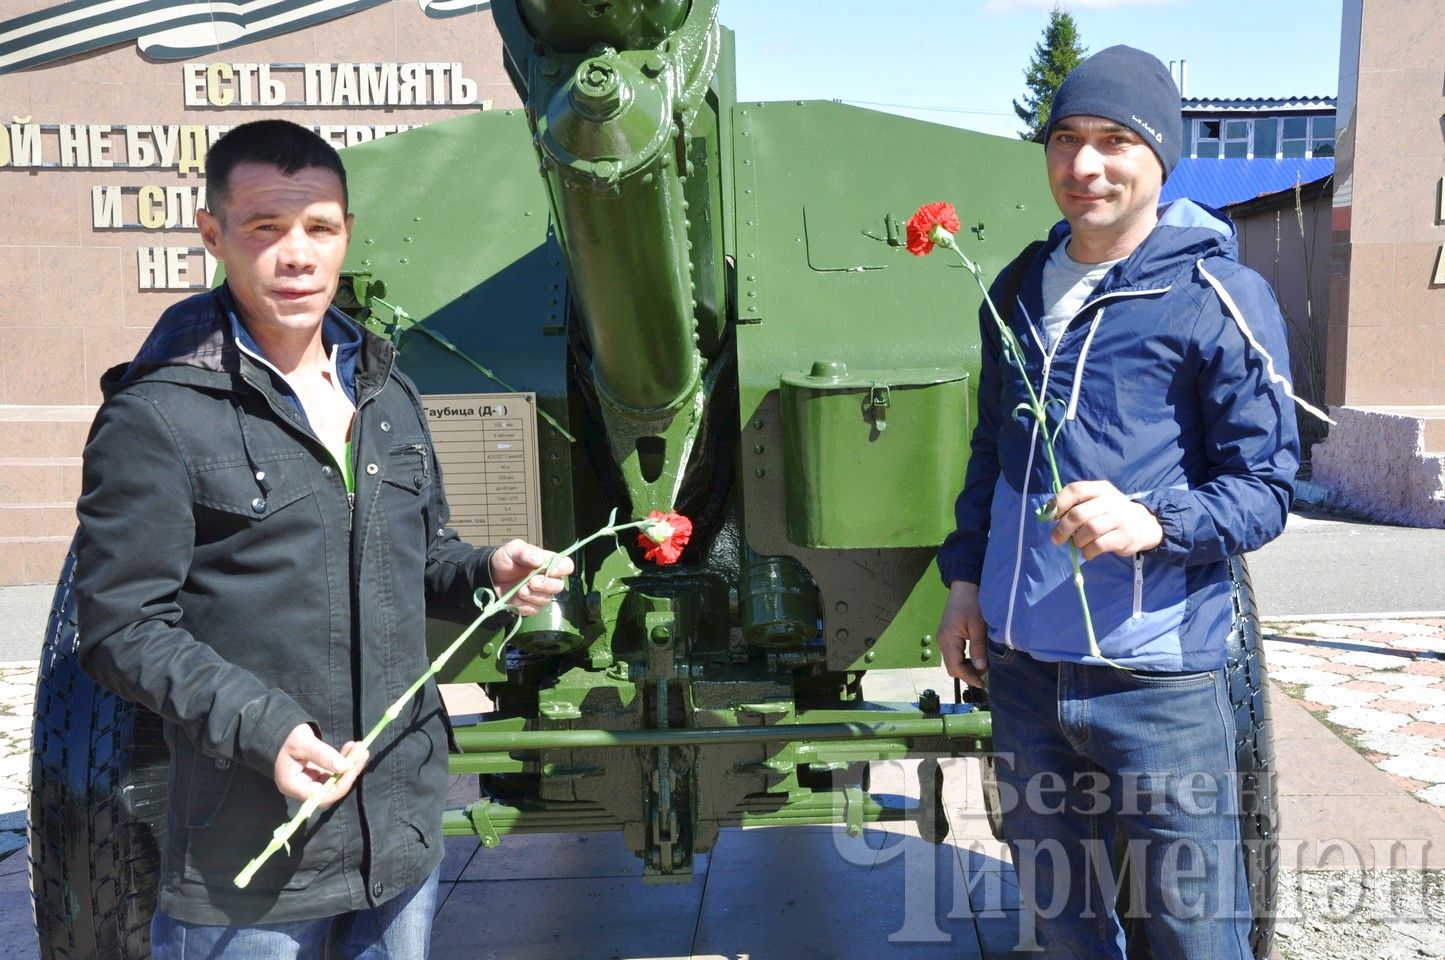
x: 97, y: 805
x: 1254, y: 755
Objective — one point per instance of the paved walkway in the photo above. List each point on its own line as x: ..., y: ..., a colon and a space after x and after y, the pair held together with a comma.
x: 812, y: 892
x: 1379, y: 684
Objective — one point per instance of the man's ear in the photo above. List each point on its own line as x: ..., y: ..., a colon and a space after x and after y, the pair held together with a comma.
x: 210, y: 227
x: 350, y: 222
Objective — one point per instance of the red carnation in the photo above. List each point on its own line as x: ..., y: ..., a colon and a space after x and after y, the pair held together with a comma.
x: 924, y: 227
x: 664, y: 535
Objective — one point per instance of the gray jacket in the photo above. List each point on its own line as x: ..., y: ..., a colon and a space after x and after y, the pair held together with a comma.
x: 226, y: 581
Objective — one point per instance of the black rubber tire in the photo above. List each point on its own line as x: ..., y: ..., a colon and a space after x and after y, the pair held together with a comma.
x: 97, y: 805
x: 932, y: 818
x: 1254, y: 755
x: 992, y: 805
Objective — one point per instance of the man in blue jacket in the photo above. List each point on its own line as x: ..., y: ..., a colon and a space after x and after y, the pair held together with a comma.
x: 1158, y: 356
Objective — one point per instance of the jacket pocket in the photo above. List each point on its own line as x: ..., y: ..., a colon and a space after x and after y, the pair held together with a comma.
x: 408, y: 467
x: 257, y: 494
x: 241, y: 824
x: 208, y: 780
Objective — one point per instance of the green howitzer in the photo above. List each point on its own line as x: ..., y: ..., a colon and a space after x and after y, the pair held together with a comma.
x: 711, y: 307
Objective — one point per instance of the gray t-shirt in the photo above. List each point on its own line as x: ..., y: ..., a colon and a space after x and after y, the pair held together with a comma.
x: 1067, y: 285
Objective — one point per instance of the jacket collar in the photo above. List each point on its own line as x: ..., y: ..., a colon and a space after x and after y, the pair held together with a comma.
x: 201, y: 340
x: 1186, y: 233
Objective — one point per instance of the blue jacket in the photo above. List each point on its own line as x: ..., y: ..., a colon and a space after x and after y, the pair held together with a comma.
x: 1169, y: 382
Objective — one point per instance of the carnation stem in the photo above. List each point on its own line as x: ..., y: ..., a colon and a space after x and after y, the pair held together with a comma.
x: 1014, y: 351
x: 282, y: 836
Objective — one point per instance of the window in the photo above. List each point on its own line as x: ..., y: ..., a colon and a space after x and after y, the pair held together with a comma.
x: 1266, y: 138
x: 1207, y: 138
x: 1188, y: 148
x: 1295, y: 141
x: 1236, y: 138
x: 1322, y: 137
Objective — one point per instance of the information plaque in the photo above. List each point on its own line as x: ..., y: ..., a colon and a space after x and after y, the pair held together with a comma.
x: 487, y: 445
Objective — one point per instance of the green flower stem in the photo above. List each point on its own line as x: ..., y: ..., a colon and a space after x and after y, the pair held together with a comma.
x: 281, y: 838
x: 1013, y: 350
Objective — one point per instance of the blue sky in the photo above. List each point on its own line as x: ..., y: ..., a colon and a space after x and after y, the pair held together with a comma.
x: 968, y: 56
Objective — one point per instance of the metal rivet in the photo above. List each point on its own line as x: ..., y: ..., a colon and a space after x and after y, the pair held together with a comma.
x: 222, y: 763
x: 841, y: 634
x: 326, y: 471
x: 377, y: 889
x: 868, y: 657
x: 417, y: 481
x: 371, y: 469
x: 260, y: 474
x: 259, y: 504
x: 385, y: 427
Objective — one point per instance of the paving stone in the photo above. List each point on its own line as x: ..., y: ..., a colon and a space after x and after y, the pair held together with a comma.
x: 1433, y: 715
x: 1280, y: 657
x: 1307, y: 648
x: 1339, y: 696
x: 1402, y: 678
x: 1405, y: 627
x: 1350, y: 670
x: 1363, y: 718
x: 1326, y: 630
x: 1307, y: 676
x: 1431, y: 668
x: 1368, y: 686
x: 1427, y: 696
x: 1427, y: 769
x: 1435, y: 731
x: 1410, y: 784
x: 1377, y: 661
x: 1396, y: 706
x: 1433, y: 795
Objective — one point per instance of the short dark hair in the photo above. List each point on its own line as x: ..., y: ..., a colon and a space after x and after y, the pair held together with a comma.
x: 287, y: 146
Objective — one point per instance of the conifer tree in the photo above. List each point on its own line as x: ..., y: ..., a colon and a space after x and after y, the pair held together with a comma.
x: 1054, y: 56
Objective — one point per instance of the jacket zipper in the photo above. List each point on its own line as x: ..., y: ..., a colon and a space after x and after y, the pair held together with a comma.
x: 1033, y: 446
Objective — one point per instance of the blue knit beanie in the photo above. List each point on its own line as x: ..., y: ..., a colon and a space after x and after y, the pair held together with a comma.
x: 1130, y: 87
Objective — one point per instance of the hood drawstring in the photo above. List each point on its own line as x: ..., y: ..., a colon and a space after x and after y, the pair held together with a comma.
x: 1234, y: 311
x: 259, y: 503
x: 1079, y: 367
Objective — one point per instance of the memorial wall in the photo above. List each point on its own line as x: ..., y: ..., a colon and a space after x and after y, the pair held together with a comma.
x: 107, y: 111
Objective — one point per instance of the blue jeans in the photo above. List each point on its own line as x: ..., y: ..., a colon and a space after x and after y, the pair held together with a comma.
x: 1083, y: 750
x: 399, y: 929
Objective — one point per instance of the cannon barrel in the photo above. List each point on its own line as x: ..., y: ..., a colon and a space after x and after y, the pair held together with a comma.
x: 613, y: 93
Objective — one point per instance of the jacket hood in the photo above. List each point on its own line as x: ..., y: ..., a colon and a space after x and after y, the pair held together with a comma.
x: 204, y: 335
x: 1187, y: 232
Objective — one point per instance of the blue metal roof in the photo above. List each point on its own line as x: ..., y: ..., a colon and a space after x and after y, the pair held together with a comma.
x: 1220, y: 182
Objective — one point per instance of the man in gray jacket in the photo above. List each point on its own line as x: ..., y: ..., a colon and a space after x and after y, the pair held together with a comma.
x: 263, y: 529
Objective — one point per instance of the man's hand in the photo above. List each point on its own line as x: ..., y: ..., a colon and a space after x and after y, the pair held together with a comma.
x: 516, y: 559
x: 962, y: 634
x: 1100, y: 519
x: 306, y: 762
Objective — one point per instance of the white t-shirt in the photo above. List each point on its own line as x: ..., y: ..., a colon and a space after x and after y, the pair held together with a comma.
x: 1067, y: 285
